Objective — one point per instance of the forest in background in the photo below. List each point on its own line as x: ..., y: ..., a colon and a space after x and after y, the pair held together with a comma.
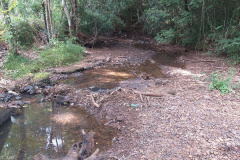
x: 61, y: 25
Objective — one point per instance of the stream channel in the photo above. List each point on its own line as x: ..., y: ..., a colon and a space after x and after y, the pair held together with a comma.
x: 50, y: 129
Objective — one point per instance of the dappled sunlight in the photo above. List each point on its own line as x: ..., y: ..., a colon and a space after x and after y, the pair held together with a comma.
x: 65, y: 118
x: 184, y: 72
x: 117, y: 74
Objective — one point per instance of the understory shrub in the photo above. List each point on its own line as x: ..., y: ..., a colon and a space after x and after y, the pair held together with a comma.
x: 63, y: 53
x: 24, y: 33
x: 231, y: 47
x: 221, y: 82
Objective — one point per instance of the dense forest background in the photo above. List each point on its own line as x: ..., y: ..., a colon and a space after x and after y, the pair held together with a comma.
x: 209, y: 25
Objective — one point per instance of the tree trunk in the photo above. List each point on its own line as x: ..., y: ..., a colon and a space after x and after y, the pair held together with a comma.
x: 238, y: 12
x: 7, y: 24
x: 186, y: 5
x: 60, y: 24
x: 75, y: 16
x: 45, y: 19
x: 68, y: 17
x: 49, y: 21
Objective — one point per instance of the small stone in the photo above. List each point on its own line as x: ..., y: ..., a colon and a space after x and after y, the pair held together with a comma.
x: 19, y: 103
x: 115, y: 125
x: 27, y: 102
x: 172, y: 92
x: 120, y: 118
x: 13, y: 93
x: 18, y: 98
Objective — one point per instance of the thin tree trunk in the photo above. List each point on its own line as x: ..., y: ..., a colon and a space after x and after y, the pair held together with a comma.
x: 75, y: 16
x: 186, y: 5
x: 45, y: 19
x: 238, y: 12
x: 68, y: 17
x: 49, y: 20
x: 7, y: 24
x: 60, y: 24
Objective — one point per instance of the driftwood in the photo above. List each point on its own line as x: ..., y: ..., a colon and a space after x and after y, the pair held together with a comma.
x: 79, y: 151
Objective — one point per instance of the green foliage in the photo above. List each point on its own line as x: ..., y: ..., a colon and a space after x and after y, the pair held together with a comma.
x: 100, y: 16
x: 231, y: 47
x: 165, y: 36
x: 62, y: 53
x: 24, y: 33
x: 17, y: 66
x: 41, y: 75
x: 154, y: 20
x: 221, y: 82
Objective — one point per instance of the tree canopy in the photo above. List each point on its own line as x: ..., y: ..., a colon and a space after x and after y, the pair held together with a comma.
x: 203, y: 24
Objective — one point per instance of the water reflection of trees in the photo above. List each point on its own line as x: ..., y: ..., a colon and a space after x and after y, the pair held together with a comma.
x: 34, y: 132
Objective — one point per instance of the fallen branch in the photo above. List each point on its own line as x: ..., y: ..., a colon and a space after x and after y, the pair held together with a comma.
x: 119, y: 88
x: 93, y: 156
x: 149, y: 94
x: 93, y: 101
x: 204, y: 61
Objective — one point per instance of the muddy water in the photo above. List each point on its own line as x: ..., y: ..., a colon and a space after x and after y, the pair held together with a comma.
x: 109, y: 76
x: 51, y: 130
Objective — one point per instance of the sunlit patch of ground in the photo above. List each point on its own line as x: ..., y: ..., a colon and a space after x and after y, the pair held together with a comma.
x: 66, y: 118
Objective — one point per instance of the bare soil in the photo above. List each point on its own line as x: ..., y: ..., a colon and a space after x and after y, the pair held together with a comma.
x: 186, y: 120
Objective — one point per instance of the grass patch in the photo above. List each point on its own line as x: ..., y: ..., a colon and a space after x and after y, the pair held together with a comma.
x: 60, y: 55
x: 41, y: 75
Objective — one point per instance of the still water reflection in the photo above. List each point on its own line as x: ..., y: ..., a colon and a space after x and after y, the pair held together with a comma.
x: 50, y: 129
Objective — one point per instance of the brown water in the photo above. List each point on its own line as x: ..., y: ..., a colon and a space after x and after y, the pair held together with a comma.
x: 51, y: 130
x: 109, y: 77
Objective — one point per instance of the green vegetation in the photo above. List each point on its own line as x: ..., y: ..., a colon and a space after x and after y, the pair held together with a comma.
x: 212, y: 26
x: 41, y: 76
x: 59, y: 55
x: 24, y: 33
x: 222, y: 82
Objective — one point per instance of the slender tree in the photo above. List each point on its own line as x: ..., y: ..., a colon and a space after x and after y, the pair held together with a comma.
x: 8, y: 26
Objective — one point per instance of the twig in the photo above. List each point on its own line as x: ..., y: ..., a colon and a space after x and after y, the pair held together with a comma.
x: 119, y: 88
x: 141, y: 97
